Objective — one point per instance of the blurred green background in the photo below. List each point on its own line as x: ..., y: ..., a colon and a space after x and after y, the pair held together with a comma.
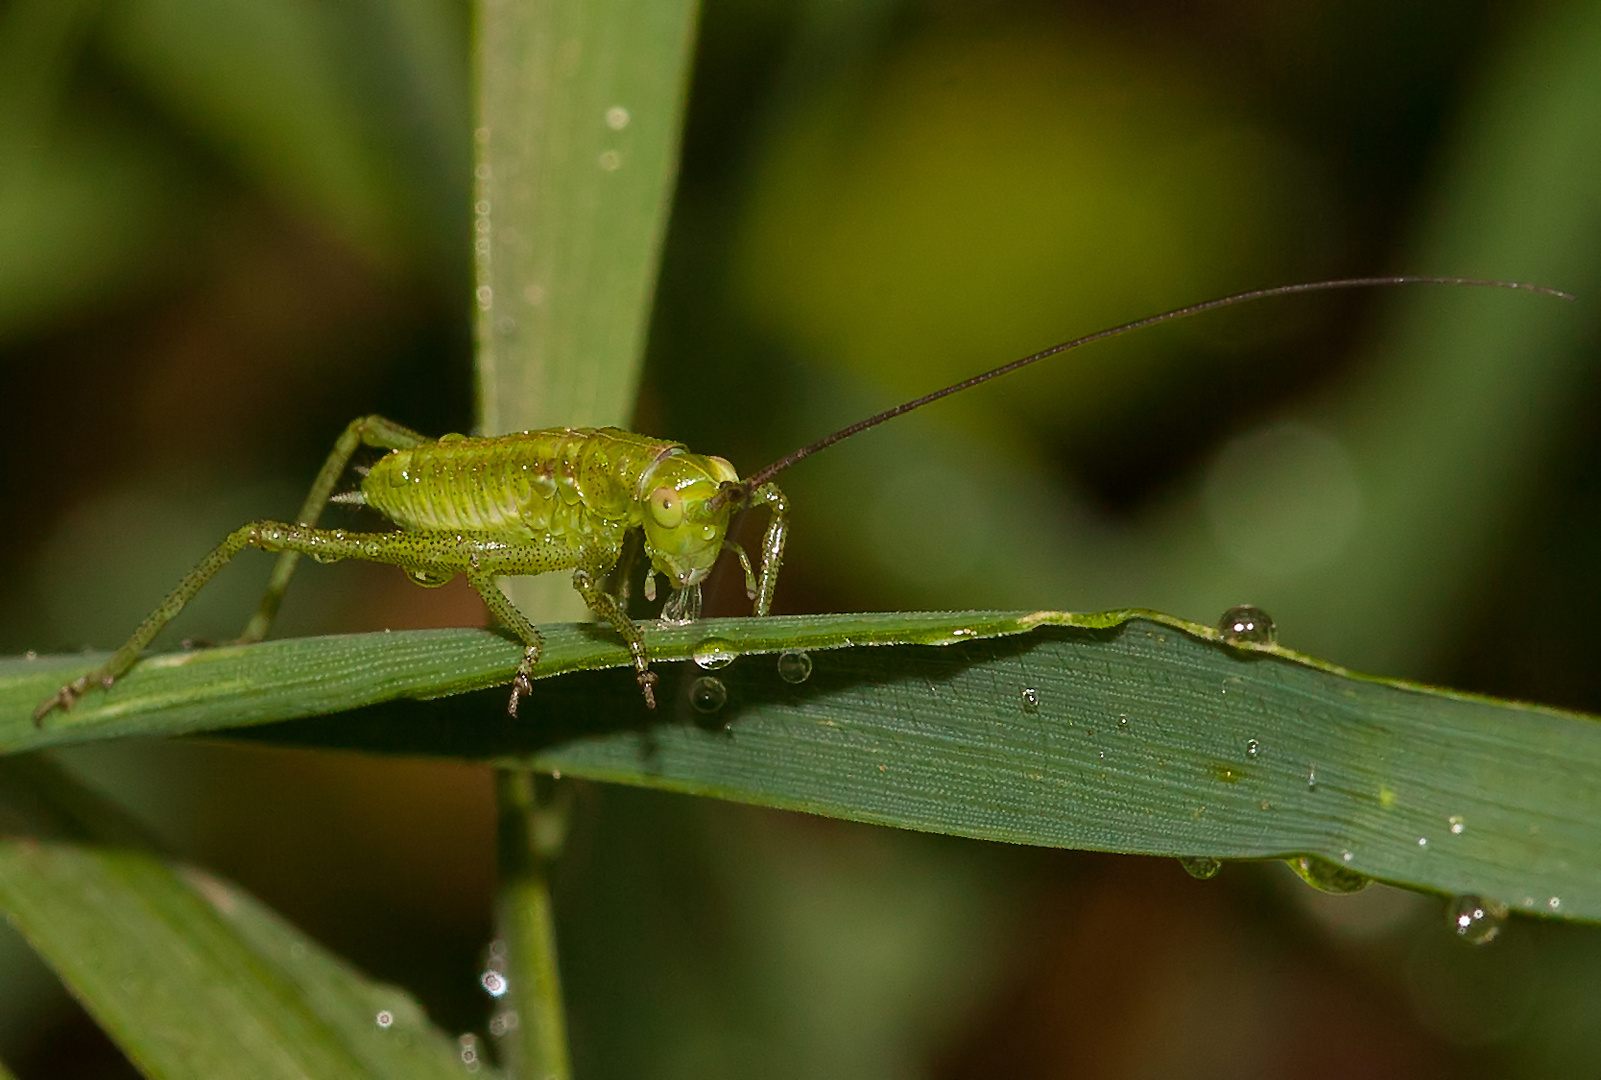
x: 229, y: 226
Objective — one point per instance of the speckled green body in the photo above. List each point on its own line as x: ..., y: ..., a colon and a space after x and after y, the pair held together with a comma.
x: 570, y: 493
x: 575, y: 485
x: 509, y: 505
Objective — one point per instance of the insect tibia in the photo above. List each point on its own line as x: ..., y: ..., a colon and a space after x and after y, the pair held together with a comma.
x: 350, y: 498
x: 683, y: 606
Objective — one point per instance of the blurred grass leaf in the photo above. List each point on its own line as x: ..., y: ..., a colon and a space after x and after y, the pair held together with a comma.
x: 1142, y: 734
x: 191, y: 976
x: 274, y: 88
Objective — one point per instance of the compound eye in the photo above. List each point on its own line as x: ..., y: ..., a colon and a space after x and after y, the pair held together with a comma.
x: 667, y: 507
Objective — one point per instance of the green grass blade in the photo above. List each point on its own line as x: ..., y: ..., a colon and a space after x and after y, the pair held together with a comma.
x: 190, y: 976
x: 937, y: 735
x: 580, y: 106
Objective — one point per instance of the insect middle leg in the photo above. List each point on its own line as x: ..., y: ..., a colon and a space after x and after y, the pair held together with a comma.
x: 372, y: 431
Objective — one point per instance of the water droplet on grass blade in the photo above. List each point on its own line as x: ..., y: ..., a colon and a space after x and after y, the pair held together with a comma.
x: 1252, y: 748
x: 794, y: 666
x: 1247, y: 624
x: 708, y: 694
x: 1477, y: 920
x: 713, y: 653
x: 1457, y: 824
x: 1200, y: 867
x: 1328, y: 877
x: 1031, y: 700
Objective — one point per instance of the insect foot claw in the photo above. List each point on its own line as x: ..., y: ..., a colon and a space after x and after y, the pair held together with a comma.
x: 64, y: 698
x: 647, y: 686
x: 523, y: 684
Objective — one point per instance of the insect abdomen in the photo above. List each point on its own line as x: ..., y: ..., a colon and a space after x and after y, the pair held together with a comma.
x: 571, y: 483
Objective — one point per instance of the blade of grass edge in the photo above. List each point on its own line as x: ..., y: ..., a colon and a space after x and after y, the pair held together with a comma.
x: 189, y: 975
x: 1501, y: 793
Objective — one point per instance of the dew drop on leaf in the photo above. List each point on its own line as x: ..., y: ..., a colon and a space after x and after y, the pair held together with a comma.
x: 794, y: 666
x: 708, y: 694
x: 713, y: 653
x: 1200, y: 867
x: 1477, y: 920
x: 1246, y: 624
x: 1325, y: 876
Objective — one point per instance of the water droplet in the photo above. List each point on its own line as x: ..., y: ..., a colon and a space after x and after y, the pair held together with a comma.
x: 502, y: 1023
x: 1346, y: 856
x: 493, y: 982
x: 1457, y: 824
x: 713, y: 653
x: 385, y: 1018
x: 1554, y: 903
x: 964, y: 631
x: 469, y: 1051
x: 1122, y: 721
x: 1252, y: 748
x: 1031, y: 700
x: 1200, y: 867
x: 794, y: 666
x: 1477, y: 920
x: 1245, y: 624
x: 610, y: 160
x: 1423, y: 841
x: 617, y: 118
x: 708, y: 694
x: 1328, y: 877
x: 30, y: 655
x: 1311, y: 778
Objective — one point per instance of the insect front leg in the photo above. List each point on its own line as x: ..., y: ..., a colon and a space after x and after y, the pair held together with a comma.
x: 769, y: 496
x: 367, y: 431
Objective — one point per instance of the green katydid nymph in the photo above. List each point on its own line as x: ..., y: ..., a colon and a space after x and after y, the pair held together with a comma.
x: 566, y: 499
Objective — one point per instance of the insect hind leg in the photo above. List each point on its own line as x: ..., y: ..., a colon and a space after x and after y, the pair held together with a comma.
x: 372, y: 431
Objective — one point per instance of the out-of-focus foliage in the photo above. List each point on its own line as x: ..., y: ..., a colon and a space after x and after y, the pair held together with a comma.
x: 226, y: 228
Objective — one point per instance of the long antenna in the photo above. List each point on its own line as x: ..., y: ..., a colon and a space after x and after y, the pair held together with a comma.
x: 761, y: 476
